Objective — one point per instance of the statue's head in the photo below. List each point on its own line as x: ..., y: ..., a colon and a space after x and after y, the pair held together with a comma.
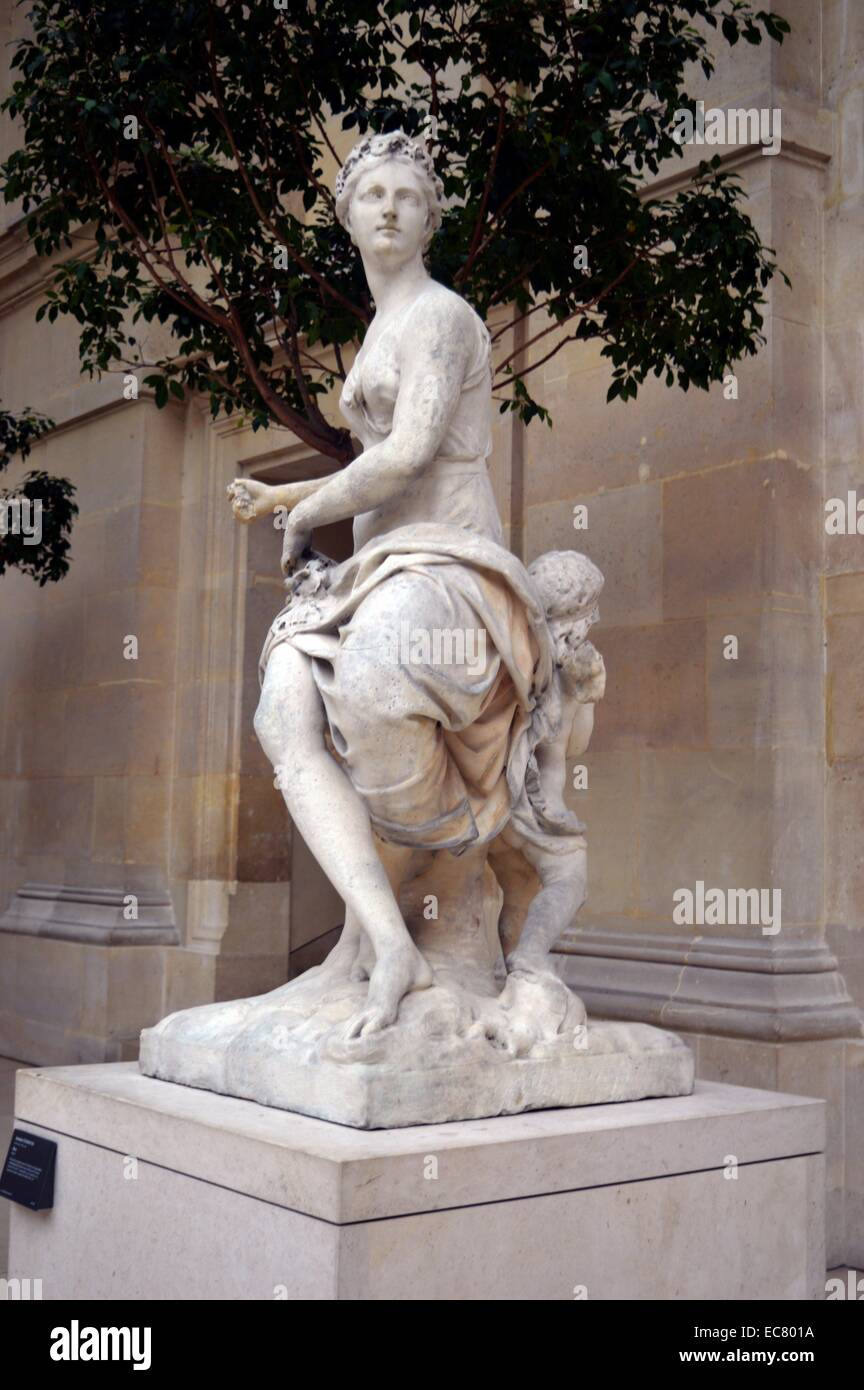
x: 568, y: 585
x: 388, y: 196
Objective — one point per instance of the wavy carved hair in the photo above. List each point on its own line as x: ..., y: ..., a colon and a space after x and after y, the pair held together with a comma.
x: 373, y: 150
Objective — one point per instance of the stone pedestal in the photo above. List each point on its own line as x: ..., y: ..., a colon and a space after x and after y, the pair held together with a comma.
x: 165, y: 1192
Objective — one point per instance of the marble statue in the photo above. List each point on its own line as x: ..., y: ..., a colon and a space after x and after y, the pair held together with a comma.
x: 419, y: 703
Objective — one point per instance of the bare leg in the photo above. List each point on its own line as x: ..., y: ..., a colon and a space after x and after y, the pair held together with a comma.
x: 519, y: 884
x: 396, y: 861
x: 535, y: 1003
x: 563, y: 879
x: 334, y: 822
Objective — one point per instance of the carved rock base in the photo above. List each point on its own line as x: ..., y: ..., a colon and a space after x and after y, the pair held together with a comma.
x: 463, y: 1049
x: 289, y: 1049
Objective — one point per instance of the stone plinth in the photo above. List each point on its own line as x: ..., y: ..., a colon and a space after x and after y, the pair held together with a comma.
x: 230, y: 1200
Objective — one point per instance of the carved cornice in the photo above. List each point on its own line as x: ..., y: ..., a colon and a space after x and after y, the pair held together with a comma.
x: 73, y: 913
x: 773, y: 992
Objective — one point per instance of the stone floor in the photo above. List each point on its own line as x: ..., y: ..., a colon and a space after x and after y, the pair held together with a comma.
x: 8, y: 1067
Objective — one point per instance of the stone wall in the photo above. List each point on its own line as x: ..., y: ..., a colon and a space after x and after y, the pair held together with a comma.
x: 707, y: 514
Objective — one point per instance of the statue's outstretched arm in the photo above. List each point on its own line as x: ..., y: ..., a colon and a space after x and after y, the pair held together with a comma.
x: 251, y: 498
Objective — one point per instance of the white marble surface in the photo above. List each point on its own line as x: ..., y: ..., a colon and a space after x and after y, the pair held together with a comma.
x: 420, y: 704
x: 235, y: 1200
x: 409, y: 1074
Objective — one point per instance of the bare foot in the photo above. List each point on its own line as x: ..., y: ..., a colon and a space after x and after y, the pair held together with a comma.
x: 536, y: 966
x: 393, y: 976
x: 534, y: 1006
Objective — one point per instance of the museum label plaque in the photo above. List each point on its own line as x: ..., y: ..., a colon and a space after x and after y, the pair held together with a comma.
x: 28, y: 1173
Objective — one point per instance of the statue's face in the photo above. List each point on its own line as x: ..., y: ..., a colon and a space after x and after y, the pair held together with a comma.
x: 571, y: 631
x: 388, y: 213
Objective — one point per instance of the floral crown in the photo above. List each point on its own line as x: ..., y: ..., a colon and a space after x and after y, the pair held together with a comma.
x: 394, y: 145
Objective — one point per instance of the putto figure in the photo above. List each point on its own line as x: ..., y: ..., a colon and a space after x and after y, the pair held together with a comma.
x: 408, y: 778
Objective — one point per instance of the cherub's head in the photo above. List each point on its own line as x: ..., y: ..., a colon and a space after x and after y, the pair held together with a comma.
x: 569, y: 586
x: 388, y: 196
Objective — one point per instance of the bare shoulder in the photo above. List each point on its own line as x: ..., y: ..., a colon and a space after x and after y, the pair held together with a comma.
x: 441, y: 310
